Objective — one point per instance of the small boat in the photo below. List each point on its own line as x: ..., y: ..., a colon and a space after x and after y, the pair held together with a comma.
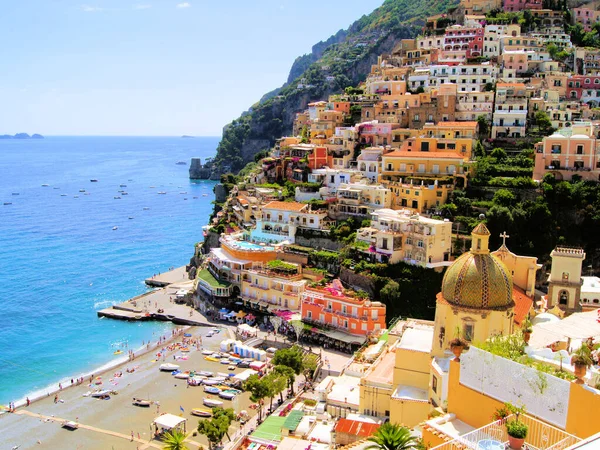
x: 69, y: 425
x: 211, y: 358
x: 210, y: 382
x: 81, y: 190
x: 116, y: 197
x: 227, y: 395
x: 63, y: 195
x: 182, y: 375
x: 225, y: 361
x: 118, y: 352
x: 124, y: 193
x: 45, y: 185
x: 93, y: 180
x: 162, y: 192
x: 212, y: 403
x: 201, y: 412
x: 141, y: 402
x: 220, y: 379
x: 183, y: 192
x: 15, y: 193
x: 168, y: 367
x: 194, y: 381
x: 152, y: 187
x: 146, y: 208
x: 100, y: 394
x: 212, y: 389
x: 181, y: 163
x: 204, y: 195
x: 76, y: 196
x: 195, y: 198
x: 131, y: 218
x: 207, y: 352
x: 7, y: 203
x: 232, y: 368
x: 115, y: 228
x: 204, y: 373
x: 122, y: 185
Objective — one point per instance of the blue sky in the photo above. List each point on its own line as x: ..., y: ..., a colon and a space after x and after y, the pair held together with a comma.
x: 162, y: 67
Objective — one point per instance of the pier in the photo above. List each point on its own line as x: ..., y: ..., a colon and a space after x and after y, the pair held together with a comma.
x: 159, y: 304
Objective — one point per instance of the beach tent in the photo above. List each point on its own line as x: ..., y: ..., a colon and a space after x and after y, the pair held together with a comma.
x: 170, y: 422
x: 243, y: 376
x: 228, y: 344
x: 257, y: 365
x: 245, y: 328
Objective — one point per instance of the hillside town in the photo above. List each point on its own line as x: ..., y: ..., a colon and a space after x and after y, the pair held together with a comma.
x: 347, y: 237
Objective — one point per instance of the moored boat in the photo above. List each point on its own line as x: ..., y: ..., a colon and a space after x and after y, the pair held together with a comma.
x: 205, y: 373
x: 201, y: 412
x: 182, y: 375
x: 140, y: 402
x: 211, y: 358
x: 227, y: 395
x: 210, y: 382
x: 212, y: 389
x: 212, y: 403
x: 168, y: 367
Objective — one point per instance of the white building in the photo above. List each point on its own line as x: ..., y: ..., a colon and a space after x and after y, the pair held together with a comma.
x: 470, y: 105
x: 467, y: 77
x: 369, y: 162
x: 590, y: 292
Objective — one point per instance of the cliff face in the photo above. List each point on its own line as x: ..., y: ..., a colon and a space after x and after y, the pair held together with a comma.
x: 343, y: 60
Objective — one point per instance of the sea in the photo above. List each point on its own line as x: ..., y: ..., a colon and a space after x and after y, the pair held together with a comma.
x: 69, y: 248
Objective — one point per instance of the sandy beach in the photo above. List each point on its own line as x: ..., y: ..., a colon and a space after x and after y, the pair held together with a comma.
x: 108, y: 424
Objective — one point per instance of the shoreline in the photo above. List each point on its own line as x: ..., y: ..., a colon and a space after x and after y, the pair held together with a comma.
x: 52, y: 388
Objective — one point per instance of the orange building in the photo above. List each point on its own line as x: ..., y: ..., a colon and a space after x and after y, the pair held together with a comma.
x: 336, y: 308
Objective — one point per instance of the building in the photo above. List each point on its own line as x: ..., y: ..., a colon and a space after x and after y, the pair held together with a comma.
x: 344, y: 311
x: 510, y: 111
x: 590, y: 293
x: 404, y: 236
x: 569, y: 152
x: 359, y: 200
x: 279, y: 220
x: 273, y: 286
x: 369, y: 162
x: 564, y: 283
x: 479, y: 6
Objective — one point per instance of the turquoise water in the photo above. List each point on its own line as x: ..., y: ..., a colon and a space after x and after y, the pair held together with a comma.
x: 252, y: 246
x: 61, y: 260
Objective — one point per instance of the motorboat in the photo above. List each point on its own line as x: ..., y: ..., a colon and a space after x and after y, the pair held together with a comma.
x: 122, y: 185
x: 81, y: 190
x: 93, y: 180
x: 210, y: 382
x: 100, y: 394
x: 205, y: 373
x: 201, y: 412
x: 7, y: 203
x: 130, y: 218
x: 116, y: 197
x: 162, y: 192
x: 115, y: 228
x: 69, y: 425
x: 207, y: 352
x: 146, y: 208
x: 140, y: 402
x: 182, y: 375
x: 63, y: 195
x: 231, y: 367
x: 220, y: 379
x: 212, y: 389
x: 225, y: 361
x: 211, y: 358
x: 124, y: 193
x: 211, y: 403
x: 181, y: 163
x: 168, y: 367
x: 45, y: 185
x: 227, y: 395
x: 16, y: 193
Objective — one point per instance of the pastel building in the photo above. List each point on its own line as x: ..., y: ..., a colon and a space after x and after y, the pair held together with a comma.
x: 520, y: 5
x: 510, y: 112
x: 587, y: 17
x: 279, y: 221
x: 342, y: 310
x: 401, y: 235
x: 369, y: 162
x: 266, y: 289
x: 568, y: 152
x: 565, y: 282
x: 359, y: 200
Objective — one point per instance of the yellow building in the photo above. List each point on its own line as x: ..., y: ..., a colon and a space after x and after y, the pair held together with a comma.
x: 268, y: 288
x: 419, y: 195
x: 477, y: 300
x: 564, y: 284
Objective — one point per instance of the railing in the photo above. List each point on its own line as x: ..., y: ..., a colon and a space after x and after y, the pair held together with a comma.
x: 570, y: 169
x: 540, y: 436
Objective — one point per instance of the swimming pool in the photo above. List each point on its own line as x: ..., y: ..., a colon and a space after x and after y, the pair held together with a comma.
x: 245, y: 245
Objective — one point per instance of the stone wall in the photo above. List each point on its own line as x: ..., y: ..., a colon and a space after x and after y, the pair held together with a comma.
x: 317, y: 243
x: 220, y: 193
x: 357, y: 281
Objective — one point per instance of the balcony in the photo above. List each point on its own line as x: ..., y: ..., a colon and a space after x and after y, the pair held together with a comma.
x: 540, y: 436
x: 570, y: 169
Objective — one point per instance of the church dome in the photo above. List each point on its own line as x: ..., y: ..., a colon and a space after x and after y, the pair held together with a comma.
x: 478, y: 279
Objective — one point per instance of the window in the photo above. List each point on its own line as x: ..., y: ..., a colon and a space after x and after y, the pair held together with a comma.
x: 420, y: 244
x: 565, y: 276
x: 468, y: 331
x: 434, y: 383
x: 580, y: 149
x: 309, y: 314
x: 563, y: 298
x: 384, y: 243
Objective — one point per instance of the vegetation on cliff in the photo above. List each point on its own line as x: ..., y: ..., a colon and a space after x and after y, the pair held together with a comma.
x: 341, y: 61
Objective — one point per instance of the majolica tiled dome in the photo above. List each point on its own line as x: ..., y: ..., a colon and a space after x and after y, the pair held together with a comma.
x: 477, y: 279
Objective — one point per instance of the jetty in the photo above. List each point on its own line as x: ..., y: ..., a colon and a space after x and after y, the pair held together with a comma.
x: 161, y: 303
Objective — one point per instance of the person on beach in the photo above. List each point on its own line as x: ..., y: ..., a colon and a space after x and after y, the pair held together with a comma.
x: 131, y: 435
x: 56, y: 398
x: 28, y: 401
x: 60, y: 386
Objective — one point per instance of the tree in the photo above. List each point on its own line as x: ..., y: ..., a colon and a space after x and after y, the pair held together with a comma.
x: 484, y: 128
x: 298, y: 327
x: 392, y: 437
x: 287, y: 373
x: 291, y: 357
x: 213, y: 430
x: 259, y: 389
x: 390, y: 292
x: 174, y: 440
x: 504, y: 197
x: 479, y: 150
x: 543, y: 122
x: 223, y: 417
x: 499, y: 154
x: 309, y: 365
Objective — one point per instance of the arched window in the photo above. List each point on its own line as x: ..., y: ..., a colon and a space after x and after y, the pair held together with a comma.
x: 563, y: 298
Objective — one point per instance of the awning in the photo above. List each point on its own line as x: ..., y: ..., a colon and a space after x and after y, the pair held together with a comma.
x: 263, y: 304
x: 169, y: 421
x: 577, y: 326
x: 241, y: 315
x: 343, y: 337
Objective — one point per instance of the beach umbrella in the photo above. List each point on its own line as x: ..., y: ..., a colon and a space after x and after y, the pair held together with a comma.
x: 187, y: 335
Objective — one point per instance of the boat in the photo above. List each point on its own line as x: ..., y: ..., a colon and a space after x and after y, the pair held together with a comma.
x: 69, y: 425
x: 45, y: 185
x: 76, y: 196
x: 181, y: 163
x: 205, y: 373
x: 194, y: 381
x: 204, y: 195
x: 115, y: 228
x: 63, y: 195
x: 100, y: 394
x: 225, y: 361
x: 7, y: 203
x: 232, y: 368
x: 212, y: 389
x: 201, y: 412
x: 118, y: 352
x: 122, y: 185
x: 162, y: 192
x: 182, y: 375
x: 16, y: 193
x: 220, y: 379
x: 210, y: 382
x: 124, y: 193
x: 211, y: 358
x: 146, y: 208
x: 141, y: 402
x: 81, y: 190
x: 93, y: 180
x: 212, y: 403
x: 130, y: 218
x: 227, y: 395
x: 207, y: 352
x: 168, y: 367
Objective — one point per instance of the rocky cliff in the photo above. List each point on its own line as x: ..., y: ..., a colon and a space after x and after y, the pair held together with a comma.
x: 343, y: 60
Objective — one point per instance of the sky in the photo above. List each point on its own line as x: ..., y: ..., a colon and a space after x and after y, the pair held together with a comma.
x: 155, y: 67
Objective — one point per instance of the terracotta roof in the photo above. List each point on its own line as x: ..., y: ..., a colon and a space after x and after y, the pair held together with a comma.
x: 481, y: 229
x: 242, y: 201
x: 356, y: 427
x: 286, y: 206
x: 424, y: 155
x: 523, y: 304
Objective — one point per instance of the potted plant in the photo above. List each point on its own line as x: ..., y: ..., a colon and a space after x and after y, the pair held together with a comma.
x: 527, y: 329
x: 458, y: 344
x: 581, y: 360
x: 517, y: 432
x: 501, y: 413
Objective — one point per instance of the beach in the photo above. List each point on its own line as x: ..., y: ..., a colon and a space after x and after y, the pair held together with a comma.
x: 110, y: 423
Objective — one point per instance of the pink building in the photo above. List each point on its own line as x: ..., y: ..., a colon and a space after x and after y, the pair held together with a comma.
x: 586, y: 17
x: 568, y: 152
x: 468, y: 39
x: 519, y: 5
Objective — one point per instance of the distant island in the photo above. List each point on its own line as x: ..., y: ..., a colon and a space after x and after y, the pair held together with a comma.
x: 185, y: 136
x: 21, y: 136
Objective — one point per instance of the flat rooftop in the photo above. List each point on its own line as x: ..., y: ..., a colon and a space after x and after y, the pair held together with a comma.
x: 404, y: 392
x: 417, y: 339
x: 383, y: 371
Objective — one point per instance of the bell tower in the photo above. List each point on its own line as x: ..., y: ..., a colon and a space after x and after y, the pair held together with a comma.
x: 564, y: 288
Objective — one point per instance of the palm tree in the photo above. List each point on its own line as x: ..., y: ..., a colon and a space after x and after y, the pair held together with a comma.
x: 392, y: 437
x: 174, y: 440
